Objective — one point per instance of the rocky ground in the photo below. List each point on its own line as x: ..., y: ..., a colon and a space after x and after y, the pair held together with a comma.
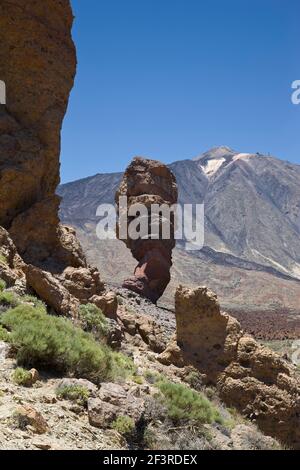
x: 50, y: 422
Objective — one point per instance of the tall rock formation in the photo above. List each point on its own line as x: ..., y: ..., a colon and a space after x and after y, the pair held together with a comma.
x: 38, y: 65
x: 149, y: 182
x: 248, y: 376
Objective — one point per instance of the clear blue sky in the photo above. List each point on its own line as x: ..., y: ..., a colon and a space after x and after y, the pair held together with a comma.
x: 170, y: 79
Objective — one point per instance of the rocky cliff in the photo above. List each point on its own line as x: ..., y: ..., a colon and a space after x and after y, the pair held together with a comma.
x: 38, y: 65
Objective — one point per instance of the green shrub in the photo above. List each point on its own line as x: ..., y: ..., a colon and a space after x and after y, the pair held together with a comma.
x: 3, y: 259
x: 138, y: 379
x: 194, y: 380
x: 42, y: 340
x: 77, y: 393
x: 2, y: 285
x: 93, y: 320
x: 185, y: 404
x: 124, y: 425
x: 151, y: 377
x: 121, y: 366
x: 9, y: 299
x: 4, y: 335
x: 39, y: 304
x: 22, y: 377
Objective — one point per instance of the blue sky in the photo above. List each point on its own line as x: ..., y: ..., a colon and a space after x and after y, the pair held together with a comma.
x: 169, y: 79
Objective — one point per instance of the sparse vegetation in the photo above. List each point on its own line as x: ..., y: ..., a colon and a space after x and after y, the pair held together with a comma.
x: 138, y: 379
x: 151, y: 377
x: 77, y: 393
x: 4, y: 334
x: 181, y: 438
x: 2, y: 285
x: 93, y: 320
x: 3, y: 259
x: 124, y: 425
x: 9, y: 299
x: 194, y: 380
x: 184, y: 404
x: 122, y: 366
x: 37, y: 303
x: 46, y: 341
x: 22, y: 377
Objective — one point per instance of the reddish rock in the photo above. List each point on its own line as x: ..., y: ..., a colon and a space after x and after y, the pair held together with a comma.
x: 149, y: 182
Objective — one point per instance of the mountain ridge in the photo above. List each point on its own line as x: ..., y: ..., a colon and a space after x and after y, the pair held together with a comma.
x: 252, y: 228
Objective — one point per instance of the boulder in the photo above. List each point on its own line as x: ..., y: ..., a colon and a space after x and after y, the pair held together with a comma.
x: 107, y: 302
x: 26, y: 415
x: 82, y: 283
x: 51, y: 291
x: 101, y: 414
x: 148, y: 329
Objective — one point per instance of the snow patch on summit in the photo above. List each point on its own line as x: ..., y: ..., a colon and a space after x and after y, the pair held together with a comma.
x: 212, y: 166
x: 241, y: 156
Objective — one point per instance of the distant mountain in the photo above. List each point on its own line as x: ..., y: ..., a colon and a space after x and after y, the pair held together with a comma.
x: 251, y: 256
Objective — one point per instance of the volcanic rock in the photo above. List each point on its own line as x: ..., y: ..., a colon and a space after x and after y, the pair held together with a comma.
x: 248, y: 376
x: 148, y: 182
x: 37, y: 64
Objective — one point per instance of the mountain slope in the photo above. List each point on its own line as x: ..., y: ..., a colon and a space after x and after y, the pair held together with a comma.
x: 251, y: 256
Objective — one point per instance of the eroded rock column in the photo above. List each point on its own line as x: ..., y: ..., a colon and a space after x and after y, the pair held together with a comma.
x: 149, y: 182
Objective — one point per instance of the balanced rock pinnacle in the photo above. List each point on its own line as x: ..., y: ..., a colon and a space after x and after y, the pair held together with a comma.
x: 148, y: 182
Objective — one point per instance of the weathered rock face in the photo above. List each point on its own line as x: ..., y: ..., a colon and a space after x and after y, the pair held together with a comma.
x: 248, y: 376
x: 11, y: 264
x: 149, y: 182
x: 37, y: 63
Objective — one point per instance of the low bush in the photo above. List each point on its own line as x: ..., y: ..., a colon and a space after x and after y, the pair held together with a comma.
x: 138, y: 379
x: 93, y: 320
x: 3, y: 259
x: 124, y: 425
x: 122, y: 366
x: 37, y: 303
x: 194, y: 380
x: 42, y: 340
x: 184, y: 404
x: 77, y: 393
x: 183, y: 438
x: 22, y: 377
x: 2, y: 285
x: 9, y: 299
x: 4, y: 335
